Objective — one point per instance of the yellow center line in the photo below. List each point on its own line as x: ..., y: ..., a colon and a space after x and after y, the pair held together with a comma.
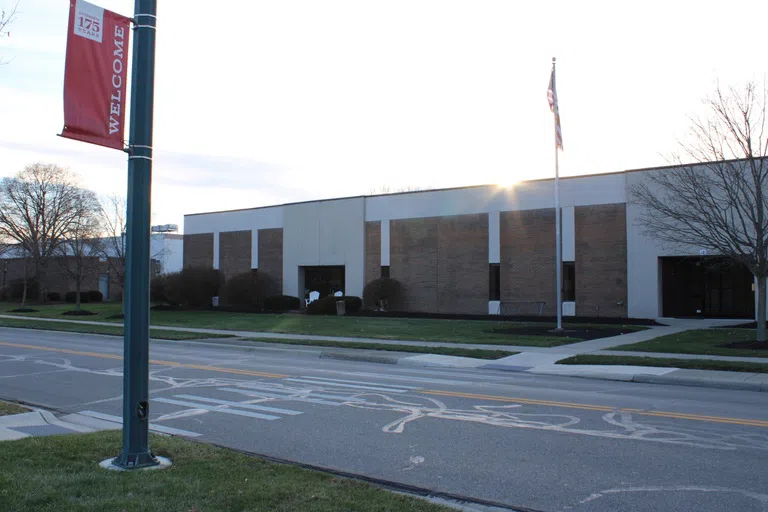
x: 660, y: 414
x: 151, y: 361
x: 528, y: 401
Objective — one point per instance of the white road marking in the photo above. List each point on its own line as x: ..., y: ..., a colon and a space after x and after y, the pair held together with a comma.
x: 267, y: 394
x: 303, y: 391
x: 152, y: 426
x: 213, y: 408
x: 254, y: 407
x: 357, y: 382
x: 353, y: 386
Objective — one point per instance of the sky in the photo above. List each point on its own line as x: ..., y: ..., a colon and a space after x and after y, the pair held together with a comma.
x: 269, y: 102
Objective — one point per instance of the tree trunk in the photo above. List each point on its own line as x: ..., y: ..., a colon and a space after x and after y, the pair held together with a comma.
x: 761, y: 334
x: 24, y: 291
x: 77, y: 295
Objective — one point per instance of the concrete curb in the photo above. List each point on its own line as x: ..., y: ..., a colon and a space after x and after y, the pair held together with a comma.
x: 701, y: 383
x: 367, y: 358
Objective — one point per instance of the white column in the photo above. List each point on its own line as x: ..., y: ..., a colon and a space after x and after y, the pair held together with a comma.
x: 494, y: 237
x: 569, y: 233
x: 216, y: 250
x: 254, y: 248
x: 385, y: 243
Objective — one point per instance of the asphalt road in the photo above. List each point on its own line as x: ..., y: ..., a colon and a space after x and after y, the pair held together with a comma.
x: 545, y: 443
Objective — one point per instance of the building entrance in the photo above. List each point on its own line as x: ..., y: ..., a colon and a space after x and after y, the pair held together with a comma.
x: 706, y: 286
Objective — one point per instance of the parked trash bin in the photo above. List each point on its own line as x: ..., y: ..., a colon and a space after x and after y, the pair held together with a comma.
x: 341, y: 308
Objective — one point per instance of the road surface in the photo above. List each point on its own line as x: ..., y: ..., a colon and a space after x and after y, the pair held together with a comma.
x: 539, y: 442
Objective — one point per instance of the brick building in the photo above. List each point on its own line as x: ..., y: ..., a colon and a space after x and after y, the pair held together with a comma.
x: 102, y: 273
x: 480, y: 250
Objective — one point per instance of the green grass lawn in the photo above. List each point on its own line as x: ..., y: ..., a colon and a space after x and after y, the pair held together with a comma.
x: 61, y: 474
x: 416, y: 329
x: 160, y: 334
x: 8, y: 408
x: 671, y: 362
x: 446, y: 351
x: 700, y: 341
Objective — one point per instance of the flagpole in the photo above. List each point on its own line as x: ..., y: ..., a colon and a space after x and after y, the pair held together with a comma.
x: 558, y: 241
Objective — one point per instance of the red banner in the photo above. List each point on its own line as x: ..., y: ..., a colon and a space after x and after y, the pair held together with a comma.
x: 95, y: 75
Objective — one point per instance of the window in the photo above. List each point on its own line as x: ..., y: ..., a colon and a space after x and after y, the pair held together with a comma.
x: 385, y: 271
x: 494, y: 275
x: 569, y: 281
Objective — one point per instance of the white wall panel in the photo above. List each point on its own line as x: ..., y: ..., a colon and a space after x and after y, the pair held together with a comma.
x: 597, y: 189
x: 215, y: 249
x: 240, y: 220
x: 569, y: 233
x: 385, y: 243
x: 324, y: 233
x: 494, y: 237
x: 254, y: 248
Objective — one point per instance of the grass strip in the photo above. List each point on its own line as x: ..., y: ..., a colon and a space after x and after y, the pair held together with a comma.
x: 700, y: 341
x: 688, y: 364
x: 8, y: 408
x: 477, y: 353
x: 117, y: 330
x: 415, y: 329
x: 61, y: 474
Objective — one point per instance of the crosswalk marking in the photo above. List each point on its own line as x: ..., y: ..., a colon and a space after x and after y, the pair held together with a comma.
x: 254, y: 407
x: 152, y: 426
x: 257, y: 393
x: 214, y: 408
x: 271, y: 389
x: 353, y: 386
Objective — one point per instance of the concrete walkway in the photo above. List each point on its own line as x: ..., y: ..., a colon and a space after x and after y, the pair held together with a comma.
x: 537, y: 360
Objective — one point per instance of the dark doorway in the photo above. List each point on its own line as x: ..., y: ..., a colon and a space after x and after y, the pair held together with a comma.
x: 706, y: 286
x: 325, y: 280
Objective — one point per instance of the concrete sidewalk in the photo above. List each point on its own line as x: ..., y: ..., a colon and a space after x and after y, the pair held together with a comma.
x: 535, y: 360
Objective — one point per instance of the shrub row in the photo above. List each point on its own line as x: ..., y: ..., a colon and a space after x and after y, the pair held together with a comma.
x: 383, y: 294
x: 195, y: 287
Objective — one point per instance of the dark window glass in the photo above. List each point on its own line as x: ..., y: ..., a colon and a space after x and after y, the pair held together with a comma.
x: 385, y: 271
x: 569, y: 281
x: 494, y: 274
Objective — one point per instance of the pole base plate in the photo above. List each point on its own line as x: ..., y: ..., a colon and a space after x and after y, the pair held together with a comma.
x: 162, y: 463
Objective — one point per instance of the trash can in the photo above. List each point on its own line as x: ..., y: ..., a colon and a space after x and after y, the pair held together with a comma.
x: 341, y: 308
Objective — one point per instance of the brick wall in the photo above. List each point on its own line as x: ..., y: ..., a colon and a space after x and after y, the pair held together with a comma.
x: 413, y: 261
x: 601, y: 260
x: 372, y: 251
x: 198, y: 250
x: 442, y: 262
x: 234, y: 252
x: 462, y: 269
x: 527, y: 267
x: 271, y: 256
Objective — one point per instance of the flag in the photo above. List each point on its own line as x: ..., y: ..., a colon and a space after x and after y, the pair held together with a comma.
x: 553, y: 106
x: 95, y: 75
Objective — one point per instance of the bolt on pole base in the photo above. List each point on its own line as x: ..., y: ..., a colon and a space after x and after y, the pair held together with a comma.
x: 139, y: 462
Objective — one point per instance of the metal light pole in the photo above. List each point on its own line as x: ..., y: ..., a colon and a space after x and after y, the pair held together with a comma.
x: 135, y: 452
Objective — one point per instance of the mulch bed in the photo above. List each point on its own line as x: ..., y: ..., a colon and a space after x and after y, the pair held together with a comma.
x: 571, y: 332
x: 24, y: 310
x: 82, y: 312
x: 752, y: 345
x: 748, y: 325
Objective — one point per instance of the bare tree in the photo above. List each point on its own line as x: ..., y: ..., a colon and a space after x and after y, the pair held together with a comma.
x: 81, y: 246
x: 38, y: 209
x: 719, y: 202
x: 386, y: 189
x: 7, y: 16
x: 113, y: 219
